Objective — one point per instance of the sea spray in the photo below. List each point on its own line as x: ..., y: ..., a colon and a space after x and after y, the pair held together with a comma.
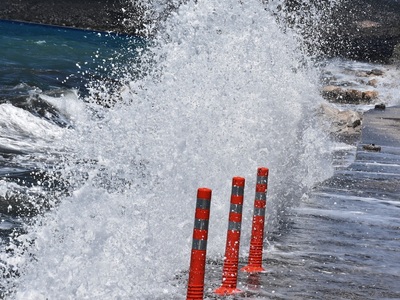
x: 226, y: 91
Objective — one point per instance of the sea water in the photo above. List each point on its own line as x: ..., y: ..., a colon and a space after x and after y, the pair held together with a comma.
x: 219, y: 91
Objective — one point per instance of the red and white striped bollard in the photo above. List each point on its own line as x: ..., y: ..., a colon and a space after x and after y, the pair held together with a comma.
x: 231, y: 259
x: 257, y: 232
x: 195, y: 289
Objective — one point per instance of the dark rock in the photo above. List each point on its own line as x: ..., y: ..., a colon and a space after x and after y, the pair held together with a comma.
x: 332, y: 92
x: 376, y: 72
x: 372, y: 147
x: 356, y: 123
x: 341, y: 95
x: 380, y: 106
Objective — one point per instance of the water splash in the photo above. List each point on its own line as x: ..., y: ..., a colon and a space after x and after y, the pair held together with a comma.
x: 223, y: 92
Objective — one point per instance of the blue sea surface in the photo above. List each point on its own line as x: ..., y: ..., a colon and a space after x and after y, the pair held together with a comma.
x: 51, y: 57
x: 37, y: 61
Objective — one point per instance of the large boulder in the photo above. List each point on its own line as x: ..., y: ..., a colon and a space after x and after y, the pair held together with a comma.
x: 345, y: 125
x: 353, y: 96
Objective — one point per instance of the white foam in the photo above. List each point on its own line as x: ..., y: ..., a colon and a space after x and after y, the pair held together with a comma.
x: 229, y: 94
x: 22, y: 131
x: 69, y: 105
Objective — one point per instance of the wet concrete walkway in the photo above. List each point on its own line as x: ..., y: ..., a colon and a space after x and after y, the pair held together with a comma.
x: 382, y: 127
x: 342, y: 242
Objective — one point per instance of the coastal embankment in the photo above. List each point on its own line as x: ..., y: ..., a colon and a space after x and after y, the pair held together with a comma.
x: 366, y: 30
x: 104, y: 15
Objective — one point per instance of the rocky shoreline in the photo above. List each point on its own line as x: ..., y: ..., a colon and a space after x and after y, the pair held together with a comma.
x: 103, y: 15
x: 353, y: 90
x: 367, y: 30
